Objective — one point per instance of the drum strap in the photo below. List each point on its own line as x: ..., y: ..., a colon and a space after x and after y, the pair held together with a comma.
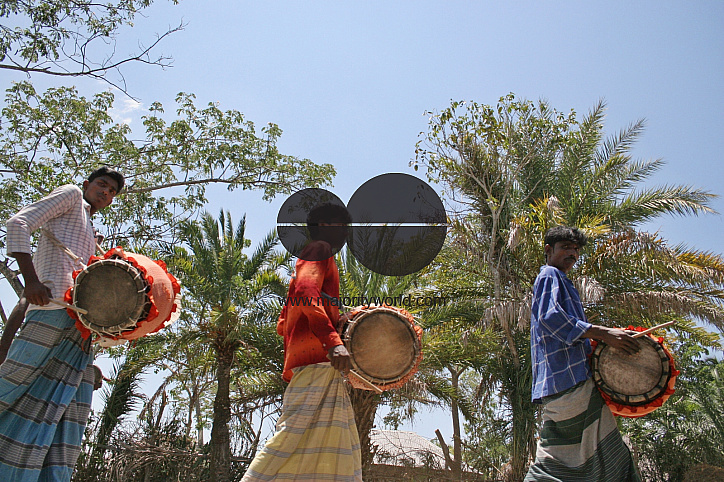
x: 53, y: 239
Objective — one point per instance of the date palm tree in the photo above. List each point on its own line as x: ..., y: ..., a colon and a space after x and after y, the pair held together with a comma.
x: 356, y: 281
x: 237, y: 293
x: 513, y: 170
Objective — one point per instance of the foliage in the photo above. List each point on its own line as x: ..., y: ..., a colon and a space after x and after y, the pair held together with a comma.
x: 238, y: 303
x: 62, y: 38
x: 512, y: 171
x: 120, y: 399
x: 59, y: 137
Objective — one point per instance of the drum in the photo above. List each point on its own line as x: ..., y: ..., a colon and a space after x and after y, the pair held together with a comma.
x: 634, y: 385
x: 126, y: 296
x: 384, y: 346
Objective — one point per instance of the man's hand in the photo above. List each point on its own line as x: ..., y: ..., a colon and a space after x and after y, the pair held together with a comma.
x: 339, y: 356
x: 343, y: 318
x: 617, y: 338
x: 37, y: 293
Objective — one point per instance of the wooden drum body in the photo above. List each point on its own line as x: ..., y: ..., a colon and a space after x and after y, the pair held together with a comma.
x: 126, y: 295
x: 384, y: 345
x: 634, y: 385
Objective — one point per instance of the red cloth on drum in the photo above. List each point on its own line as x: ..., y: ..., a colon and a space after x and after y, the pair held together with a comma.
x: 634, y: 412
x: 308, y: 320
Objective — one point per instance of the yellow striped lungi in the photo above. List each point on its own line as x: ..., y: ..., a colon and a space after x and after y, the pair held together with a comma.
x: 316, y: 436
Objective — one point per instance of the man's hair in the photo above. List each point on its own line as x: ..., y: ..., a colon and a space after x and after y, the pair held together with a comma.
x: 565, y: 233
x: 106, y: 171
x: 326, y: 213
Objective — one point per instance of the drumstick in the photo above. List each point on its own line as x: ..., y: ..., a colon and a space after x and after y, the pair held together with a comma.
x: 366, y: 382
x: 646, y: 332
x: 74, y: 308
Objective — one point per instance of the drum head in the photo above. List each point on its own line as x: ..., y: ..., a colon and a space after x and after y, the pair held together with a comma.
x: 633, y: 380
x: 114, y: 293
x: 383, y: 345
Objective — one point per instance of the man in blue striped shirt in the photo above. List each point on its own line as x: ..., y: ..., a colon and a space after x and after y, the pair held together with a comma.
x: 579, y: 439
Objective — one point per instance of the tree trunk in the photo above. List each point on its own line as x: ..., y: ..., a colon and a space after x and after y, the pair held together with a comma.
x: 220, y: 460
x: 199, y: 420
x: 364, y: 404
x: 524, y: 422
x: 457, y: 466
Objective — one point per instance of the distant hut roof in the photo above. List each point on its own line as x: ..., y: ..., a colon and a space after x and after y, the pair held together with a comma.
x: 408, y: 449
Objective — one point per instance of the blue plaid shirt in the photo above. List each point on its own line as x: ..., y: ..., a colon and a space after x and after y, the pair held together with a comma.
x: 559, y: 354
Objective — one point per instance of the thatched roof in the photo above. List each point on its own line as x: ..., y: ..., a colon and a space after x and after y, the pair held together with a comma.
x: 407, y: 449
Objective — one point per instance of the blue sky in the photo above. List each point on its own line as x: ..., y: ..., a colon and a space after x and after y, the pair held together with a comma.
x: 349, y: 82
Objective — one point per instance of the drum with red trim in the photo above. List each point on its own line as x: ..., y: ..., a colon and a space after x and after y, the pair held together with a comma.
x: 126, y: 296
x: 634, y: 385
x: 384, y: 345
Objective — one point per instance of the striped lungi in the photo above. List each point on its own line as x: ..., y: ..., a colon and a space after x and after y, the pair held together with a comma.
x: 316, y: 437
x: 45, y: 399
x: 580, y: 441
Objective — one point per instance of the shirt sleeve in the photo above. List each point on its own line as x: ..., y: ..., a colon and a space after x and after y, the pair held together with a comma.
x: 21, y: 226
x: 555, y: 319
x: 310, y: 277
x: 282, y: 320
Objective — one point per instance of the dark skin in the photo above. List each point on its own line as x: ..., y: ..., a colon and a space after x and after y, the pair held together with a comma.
x: 564, y: 255
x: 99, y: 193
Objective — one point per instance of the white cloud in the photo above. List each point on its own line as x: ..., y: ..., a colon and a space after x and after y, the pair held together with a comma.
x: 127, y: 111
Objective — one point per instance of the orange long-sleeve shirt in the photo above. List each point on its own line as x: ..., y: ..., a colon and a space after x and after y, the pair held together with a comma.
x: 308, y: 320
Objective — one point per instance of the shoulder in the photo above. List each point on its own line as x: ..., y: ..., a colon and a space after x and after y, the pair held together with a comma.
x: 67, y: 191
x: 317, y: 251
x: 547, y: 271
x: 548, y: 279
x: 70, y: 189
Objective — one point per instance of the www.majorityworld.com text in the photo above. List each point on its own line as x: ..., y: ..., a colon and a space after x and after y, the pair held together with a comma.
x: 406, y: 301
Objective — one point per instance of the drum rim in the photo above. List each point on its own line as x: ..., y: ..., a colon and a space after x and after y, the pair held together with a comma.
x: 143, y: 302
x: 363, y: 313
x: 617, y: 397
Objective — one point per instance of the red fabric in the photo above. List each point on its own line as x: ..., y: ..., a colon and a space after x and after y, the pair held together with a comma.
x: 310, y: 331
x: 163, y: 294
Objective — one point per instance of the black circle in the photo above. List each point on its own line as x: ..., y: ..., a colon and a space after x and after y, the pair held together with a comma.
x: 295, y: 234
x: 399, y: 224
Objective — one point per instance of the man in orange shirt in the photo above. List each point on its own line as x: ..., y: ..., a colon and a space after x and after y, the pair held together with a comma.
x: 316, y: 437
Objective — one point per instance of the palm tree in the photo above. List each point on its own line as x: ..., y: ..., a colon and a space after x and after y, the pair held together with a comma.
x: 356, y: 281
x: 234, y: 292
x: 515, y: 170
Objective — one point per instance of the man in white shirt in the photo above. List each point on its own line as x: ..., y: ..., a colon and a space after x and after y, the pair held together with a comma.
x: 46, y: 382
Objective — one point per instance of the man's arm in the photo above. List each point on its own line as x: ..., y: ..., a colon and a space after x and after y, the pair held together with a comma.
x: 35, y: 291
x: 21, y: 226
x: 552, y: 317
x: 310, y: 276
x: 615, y: 337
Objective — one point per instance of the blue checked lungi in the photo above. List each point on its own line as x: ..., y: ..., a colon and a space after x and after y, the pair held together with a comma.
x: 46, y: 387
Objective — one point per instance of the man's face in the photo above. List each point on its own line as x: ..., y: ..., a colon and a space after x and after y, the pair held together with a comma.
x: 99, y: 192
x: 563, y: 255
x: 335, y: 233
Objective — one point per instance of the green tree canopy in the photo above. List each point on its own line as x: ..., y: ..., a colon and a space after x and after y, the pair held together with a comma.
x: 513, y: 170
x: 58, y: 137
